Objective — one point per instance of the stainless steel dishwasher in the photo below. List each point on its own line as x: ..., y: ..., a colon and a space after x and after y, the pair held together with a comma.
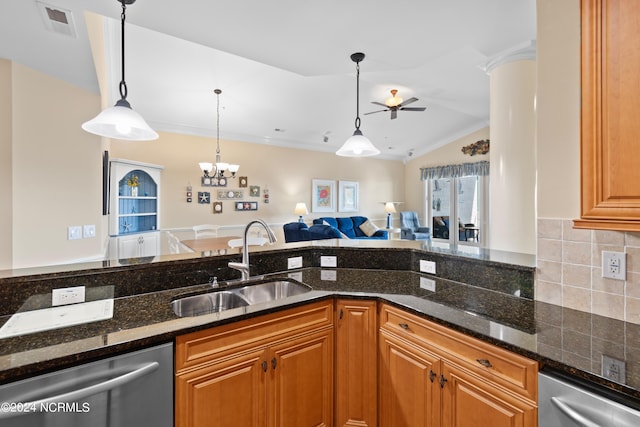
x: 564, y: 402
x: 134, y: 389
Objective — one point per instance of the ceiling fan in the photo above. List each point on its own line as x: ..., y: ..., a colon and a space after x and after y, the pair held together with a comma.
x: 396, y: 103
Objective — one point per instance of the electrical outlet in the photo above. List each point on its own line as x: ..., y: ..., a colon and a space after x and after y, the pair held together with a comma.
x: 64, y: 296
x: 427, y: 266
x: 89, y: 231
x: 614, y: 265
x: 614, y: 369
x: 294, y: 262
x: 74, y: 232
x: 328, y: 261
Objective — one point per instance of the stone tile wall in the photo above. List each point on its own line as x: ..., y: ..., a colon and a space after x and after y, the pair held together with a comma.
x: 569, y: 271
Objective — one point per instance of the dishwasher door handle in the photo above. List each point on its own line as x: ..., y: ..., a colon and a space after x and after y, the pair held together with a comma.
x: 82, y: 393
x: 574, y: 415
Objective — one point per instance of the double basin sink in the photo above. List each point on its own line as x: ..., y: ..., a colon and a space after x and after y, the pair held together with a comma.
x: 227, y: 299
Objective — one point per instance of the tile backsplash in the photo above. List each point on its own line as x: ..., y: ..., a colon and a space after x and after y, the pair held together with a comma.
x: 569, y: 270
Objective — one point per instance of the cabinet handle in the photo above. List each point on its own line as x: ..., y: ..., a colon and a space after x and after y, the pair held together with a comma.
x: 341, y: 314
x: 404, y: 326
x: 485, y: 363
x: 442, y: 381
x: 264, y: 366
x: 274, y: 363
x: 432, y: 375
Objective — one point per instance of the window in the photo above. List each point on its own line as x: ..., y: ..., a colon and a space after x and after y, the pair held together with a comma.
x: 456, y: 199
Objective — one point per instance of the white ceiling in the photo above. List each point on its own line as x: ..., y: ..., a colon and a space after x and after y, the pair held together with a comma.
x: 285, y: 64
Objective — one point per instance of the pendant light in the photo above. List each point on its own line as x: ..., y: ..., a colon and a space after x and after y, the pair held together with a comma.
x: 214, y: 172
x: 120, y: 121
x: 357, y: 145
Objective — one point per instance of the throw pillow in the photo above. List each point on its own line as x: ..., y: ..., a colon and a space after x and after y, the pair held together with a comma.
x: 368, y: 228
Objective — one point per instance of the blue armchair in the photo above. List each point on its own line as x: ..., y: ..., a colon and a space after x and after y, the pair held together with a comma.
x: 410, y: 228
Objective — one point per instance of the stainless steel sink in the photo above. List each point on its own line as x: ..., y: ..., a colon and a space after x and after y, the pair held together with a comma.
x: 212, y: 302
x: 271, y: 291
x: 217, y: 301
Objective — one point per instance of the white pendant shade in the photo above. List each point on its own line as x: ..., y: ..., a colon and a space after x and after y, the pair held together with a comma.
x: 120, y: 122
x: 206, y: 166
x: 358, y: 145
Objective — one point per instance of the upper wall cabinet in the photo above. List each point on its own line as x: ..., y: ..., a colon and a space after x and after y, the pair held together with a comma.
x: 135, y: 197
x: 610, y: 142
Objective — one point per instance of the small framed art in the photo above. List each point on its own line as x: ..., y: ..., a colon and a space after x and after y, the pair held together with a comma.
x: 323, y: 195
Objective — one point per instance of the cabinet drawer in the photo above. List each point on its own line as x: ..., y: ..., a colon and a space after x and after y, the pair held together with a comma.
x: 203, y: 346
x: 510, y: 370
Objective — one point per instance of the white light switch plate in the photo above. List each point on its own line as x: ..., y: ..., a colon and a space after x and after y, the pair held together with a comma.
x: 294, y: 262
x: 427, y: 266
x: 74, y: 232
x: 328, y: 261
x: 89, y: 231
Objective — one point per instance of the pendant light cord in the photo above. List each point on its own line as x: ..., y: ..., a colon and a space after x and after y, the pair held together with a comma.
x: 358, y: 95
x: 218, y: 92
x: 123, y: 84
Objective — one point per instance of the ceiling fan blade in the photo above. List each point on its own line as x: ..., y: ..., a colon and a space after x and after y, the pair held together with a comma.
x: 371, y: 112
x: 378, y: 103
x: 394, y: 114
x: 413, y: 108
x: 408, y: 101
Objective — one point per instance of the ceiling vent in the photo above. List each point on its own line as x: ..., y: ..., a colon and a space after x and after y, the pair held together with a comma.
x: 57, y: 20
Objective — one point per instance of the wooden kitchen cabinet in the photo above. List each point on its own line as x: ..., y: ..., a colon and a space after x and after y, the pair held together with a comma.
x: 474, y: 401
x: 274, y: 370
x: 356, y: 363
x: 433, y: 376
x: 610, y: 177
x: 409, y: 390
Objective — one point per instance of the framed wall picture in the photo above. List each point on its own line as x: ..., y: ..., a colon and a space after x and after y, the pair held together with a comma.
x: 217, y: 207
x: 246, y: 206
x: 348, y: 196
x: 323, y: 195
x: 254, y: 190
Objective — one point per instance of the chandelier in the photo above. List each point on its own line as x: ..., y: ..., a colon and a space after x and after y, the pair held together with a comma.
x: 213, y: 173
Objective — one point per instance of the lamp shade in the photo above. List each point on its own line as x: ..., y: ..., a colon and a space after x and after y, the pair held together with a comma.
x: 357, y: 145
x: 206, y: 166
x: 120, y: 122
x: 301, y: 209
x: 390, y: 207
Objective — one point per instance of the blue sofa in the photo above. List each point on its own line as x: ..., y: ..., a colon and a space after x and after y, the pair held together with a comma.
x: 350, y: 227
x: 300, y: 232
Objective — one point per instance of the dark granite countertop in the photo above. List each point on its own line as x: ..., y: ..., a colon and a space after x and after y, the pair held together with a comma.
x: 558, y: 338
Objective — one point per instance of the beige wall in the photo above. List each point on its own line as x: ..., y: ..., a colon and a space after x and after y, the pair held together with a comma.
x: 446, y: 155
x: 287, y: 173
x: 56, y: 169
x: 558, y: 105
x: 6, y: 181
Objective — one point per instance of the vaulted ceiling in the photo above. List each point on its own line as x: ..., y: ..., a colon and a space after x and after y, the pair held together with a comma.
x: 284, y: 66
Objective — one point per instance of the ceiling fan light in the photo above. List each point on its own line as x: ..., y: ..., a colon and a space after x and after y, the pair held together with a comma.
x: 357, y: 145
x: 120, y: 122
x: 393, y: 101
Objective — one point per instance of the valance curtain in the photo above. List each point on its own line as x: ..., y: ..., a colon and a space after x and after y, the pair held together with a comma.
x: 454, y: 171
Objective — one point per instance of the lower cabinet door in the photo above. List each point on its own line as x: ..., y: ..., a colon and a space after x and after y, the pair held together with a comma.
x: 409, y: 388
x: 229, y: 393
x: 470, y: 401
x: 356, y: 364
x: 301, y: 389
